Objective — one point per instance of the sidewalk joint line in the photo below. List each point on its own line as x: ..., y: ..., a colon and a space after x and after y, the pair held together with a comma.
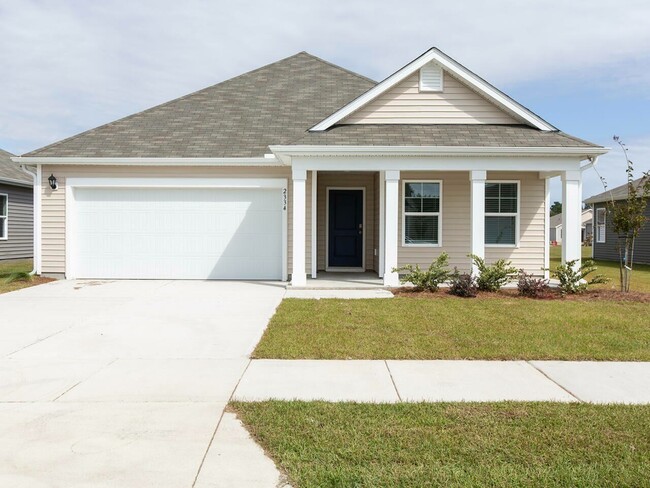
x: 390, y: 373
x: 214, y: 433
x: 555, y: 382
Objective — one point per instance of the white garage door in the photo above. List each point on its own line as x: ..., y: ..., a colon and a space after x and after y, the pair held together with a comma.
x: 177, y: 233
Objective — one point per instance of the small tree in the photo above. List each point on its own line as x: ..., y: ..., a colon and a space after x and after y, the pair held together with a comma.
x: 628, y: 216
x: 556, y: 208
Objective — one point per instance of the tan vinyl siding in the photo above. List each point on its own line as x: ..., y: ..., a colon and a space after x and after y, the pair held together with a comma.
x: 456, y: 229
x: 530, y: 252
x: 53, y: 203
x: 455, y: 220
x: 347, y: 180
x: 20, y: 227
x: 405, y: 104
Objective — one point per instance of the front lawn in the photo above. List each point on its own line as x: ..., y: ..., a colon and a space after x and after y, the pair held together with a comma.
x: 11, y: 267
x: 443, y: 327
x: 640, y: 275
x: 463, y: 444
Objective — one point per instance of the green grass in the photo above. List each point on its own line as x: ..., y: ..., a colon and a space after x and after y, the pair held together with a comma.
x: 320, y: 444
x: 14, y: 275
x: 446, y: 327
x: 640, y: 274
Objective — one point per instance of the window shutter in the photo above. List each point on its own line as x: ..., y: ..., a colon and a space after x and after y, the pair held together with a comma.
x: 431, y: 77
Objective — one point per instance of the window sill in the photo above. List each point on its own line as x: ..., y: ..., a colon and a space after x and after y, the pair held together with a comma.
x: 421, y: 245
x: 511, y: 246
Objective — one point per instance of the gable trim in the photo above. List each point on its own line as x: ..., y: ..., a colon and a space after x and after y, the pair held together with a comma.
x: 474, y: 81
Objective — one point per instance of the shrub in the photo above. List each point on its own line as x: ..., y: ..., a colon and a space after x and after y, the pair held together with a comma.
x: 429, y: 279
x: 529, y: 286
x: 574, y: 280
x: 463, y: 285
x: 494, y: 276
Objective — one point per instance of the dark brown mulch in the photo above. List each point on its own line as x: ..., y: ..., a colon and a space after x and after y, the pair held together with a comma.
x: 551, y: 294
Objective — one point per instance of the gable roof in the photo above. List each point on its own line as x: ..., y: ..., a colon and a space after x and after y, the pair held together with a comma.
x: 618, y: 193
x: 474, y: 81
x: 239, y: 117
x: 556, y: 220
x: 10, y: 172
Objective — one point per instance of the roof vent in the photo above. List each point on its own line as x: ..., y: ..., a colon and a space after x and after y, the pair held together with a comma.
x: 431, y: 77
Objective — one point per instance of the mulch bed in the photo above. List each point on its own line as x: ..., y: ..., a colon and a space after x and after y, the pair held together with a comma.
x: 551, y: 294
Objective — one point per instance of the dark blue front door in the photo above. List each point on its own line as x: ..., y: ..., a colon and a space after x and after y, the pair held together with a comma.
x: 346, y: 228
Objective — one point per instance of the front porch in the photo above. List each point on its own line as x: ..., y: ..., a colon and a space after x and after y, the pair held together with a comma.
x: 337, y: 243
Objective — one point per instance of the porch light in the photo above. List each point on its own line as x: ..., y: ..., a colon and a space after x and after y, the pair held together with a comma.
x: 53, y: 183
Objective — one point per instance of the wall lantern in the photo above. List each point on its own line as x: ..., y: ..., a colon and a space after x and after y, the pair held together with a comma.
x: 53, y: 183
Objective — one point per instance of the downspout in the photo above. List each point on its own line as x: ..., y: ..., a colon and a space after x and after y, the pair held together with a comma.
x: 593, y: 160
x: 36, y: 199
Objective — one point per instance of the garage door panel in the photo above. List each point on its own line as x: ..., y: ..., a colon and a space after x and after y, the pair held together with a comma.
x: 178, y: 233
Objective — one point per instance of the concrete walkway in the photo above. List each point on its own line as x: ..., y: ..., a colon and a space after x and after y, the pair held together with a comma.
x: 446, y: 381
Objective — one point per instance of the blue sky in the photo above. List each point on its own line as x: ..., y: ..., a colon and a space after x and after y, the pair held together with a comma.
x: 72, y: 65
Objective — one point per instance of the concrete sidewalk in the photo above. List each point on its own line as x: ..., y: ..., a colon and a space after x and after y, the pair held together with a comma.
x: 446, y: 381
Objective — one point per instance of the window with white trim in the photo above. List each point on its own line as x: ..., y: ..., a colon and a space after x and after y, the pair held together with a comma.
x: 421, y: 212
x: 601, y: 221
x: 4, y: 216
x: 501, y: 213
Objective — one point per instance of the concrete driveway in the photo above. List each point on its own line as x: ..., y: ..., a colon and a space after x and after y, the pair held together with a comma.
x: 124, y: 383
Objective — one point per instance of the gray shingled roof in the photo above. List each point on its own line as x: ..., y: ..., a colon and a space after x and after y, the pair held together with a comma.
x: 618, y: 193
x: 441, y: 135
x: 555, y: 220
x: 277, y: 105
x: 239, y: 117
x: 10, y: 170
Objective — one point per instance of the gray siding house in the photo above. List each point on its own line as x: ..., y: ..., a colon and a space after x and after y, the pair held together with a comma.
x: 605, y: 243
x: 16, y: 211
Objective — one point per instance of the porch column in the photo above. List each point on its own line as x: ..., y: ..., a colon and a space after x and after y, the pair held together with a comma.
x: 314, y: 224
x: 298, y: 275
x: 382, y: 233
x: 477, y: 215
x: 391, y: 209
x: 571, y: 215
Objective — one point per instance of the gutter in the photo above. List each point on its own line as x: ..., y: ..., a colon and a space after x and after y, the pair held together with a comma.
x: 593, y: 161
x: 36, y: 203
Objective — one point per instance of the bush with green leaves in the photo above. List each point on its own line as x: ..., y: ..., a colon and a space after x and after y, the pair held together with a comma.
x: 573, y: 279
x: 426, y: 279
x: 529, y: 286
x: 492, y: 277
x: 463, y: 285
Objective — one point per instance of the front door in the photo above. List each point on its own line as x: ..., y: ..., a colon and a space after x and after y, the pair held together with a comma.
x: 345, y: 243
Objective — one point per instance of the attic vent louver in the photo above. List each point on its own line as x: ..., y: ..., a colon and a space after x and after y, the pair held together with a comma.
x: 431, y: 77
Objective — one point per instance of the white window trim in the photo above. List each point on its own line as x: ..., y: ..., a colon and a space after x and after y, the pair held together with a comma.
x: 498, y: 214
x: 421, y: 214
x: 602, y: 240
x: 4, y: 219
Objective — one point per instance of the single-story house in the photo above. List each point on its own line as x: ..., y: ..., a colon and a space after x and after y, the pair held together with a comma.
x: 302, y: 167
x: 16, y: 210
x: 605, y: 245
x: 585, y: 229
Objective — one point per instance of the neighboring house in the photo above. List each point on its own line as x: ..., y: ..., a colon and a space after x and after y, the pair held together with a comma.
x: 605, y: 244
x: 585, y: 229
x: 302, y: 166
x: 16, y: 210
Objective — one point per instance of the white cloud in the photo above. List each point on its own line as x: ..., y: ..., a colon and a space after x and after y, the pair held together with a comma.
x: 70, y: 65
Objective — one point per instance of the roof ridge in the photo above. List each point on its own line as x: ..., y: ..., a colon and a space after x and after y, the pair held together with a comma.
x: 340, y: 68
x: 183, y: 97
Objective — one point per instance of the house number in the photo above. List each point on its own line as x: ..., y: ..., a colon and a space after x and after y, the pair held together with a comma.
x: 284, y: 199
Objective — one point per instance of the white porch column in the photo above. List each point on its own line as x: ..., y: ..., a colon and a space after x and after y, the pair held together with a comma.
x: 298, y: 275
x: 382, y: 234
x: 571, y: 215
x: 391, y: 209
x: 314, y: 224
x: 477, y: 214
